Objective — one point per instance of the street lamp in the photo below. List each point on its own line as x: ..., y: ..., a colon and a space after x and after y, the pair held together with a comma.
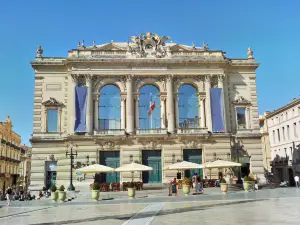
x: 87, y: 159
x: 239, y: 148
x: 71, y: 146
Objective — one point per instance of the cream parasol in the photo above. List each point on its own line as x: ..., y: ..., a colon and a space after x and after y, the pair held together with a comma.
x: 184, y: 165
x: 132, y: 167
x: 221, y: 164
x: 95, y: 168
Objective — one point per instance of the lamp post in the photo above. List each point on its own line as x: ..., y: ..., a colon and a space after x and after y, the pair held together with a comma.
x: 87, y: 159
x: 71, y: 146
x: 239, y: 148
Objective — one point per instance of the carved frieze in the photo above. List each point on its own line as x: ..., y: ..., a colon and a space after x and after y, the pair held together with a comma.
x: 150, y: 144
x: 192, y: 144
x: 108, y: 145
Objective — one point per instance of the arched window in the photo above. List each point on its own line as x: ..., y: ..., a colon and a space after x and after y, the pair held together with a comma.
x: 110, y: 108
x: 149, y: 107
x: 188, y: 107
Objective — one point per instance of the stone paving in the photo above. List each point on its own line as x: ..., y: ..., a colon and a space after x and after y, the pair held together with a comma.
x: 276, y: 206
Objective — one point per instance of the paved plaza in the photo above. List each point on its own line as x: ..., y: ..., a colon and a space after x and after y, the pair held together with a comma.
x: 272, y: 206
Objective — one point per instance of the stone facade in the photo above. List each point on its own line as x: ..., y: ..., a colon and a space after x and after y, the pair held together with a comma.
x: 10, y: 155
x: 283, y: 126
x: 148, y: 59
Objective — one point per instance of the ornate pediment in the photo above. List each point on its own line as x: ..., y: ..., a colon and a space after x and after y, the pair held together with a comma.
x: 111, y: 47
x: 52, y: 102
x: 109, y: 145
x: 240, y: 100
x: 150, y: 144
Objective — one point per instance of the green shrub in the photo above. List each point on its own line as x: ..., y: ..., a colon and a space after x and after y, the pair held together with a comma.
x: 62, y: 188
x: 223, y: 181
x: 96, y: 186
x: 53, y: 188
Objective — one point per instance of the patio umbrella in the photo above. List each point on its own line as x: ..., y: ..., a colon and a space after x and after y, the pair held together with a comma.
x: 184, y: 165
x: 95, y: 168
x: 220, y: 164
x: 132, y: 167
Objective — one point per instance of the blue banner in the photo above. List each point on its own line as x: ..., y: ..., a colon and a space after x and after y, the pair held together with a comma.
x: 80, y: 107
x: 217, y: 110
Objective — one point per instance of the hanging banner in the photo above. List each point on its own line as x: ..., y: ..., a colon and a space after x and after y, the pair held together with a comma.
x: 80, y: 107
x: 217, y: 110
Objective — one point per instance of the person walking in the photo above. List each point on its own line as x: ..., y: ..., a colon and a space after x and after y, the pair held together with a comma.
x: 8, y: 195
x: 296, y: 178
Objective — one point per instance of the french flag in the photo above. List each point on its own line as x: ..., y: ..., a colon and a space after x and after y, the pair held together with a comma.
x: 152, y: 107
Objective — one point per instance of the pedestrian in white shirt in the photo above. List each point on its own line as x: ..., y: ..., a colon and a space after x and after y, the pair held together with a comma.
x: 296, y: 178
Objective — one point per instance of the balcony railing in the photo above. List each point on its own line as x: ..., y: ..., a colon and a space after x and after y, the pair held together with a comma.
x: 151, y: 131
x: 192, y: 130
x: 190, y: 126
x: 109, y: 132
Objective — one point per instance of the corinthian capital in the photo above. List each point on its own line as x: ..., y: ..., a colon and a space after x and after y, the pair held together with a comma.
x: 74, y: 78
x: 220, y: 77
x: 88, y: 78
x: 169, y: 77
x: 207, y: 77
x: 129, y: 77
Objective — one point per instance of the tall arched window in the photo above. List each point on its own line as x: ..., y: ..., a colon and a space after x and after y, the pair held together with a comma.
x: 188, y: 107
x: 149, y: 107
x: 110, y: 108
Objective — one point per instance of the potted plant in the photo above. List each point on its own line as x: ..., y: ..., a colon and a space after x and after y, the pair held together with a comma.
x: 54, y: 193
x: 95, y: 191
x: 62, y: 194
x: 249, y: 183
x: 131, y: 189
x: 186, y: 186
x: 223, y: 186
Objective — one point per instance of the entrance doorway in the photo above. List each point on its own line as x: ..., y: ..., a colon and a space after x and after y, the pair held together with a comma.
x: 111, y: 159
x: 194, y: 156
x: 152, y: 158
x: 50, y: 173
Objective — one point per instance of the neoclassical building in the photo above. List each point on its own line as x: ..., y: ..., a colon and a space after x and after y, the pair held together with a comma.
x: 11, y: 154
x: 147, y: 100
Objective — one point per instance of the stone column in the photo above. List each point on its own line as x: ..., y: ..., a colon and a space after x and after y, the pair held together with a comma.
x: 170, y: 104
x: 207, y: 103
x: 162, y: 113
x: 221, y: 85
x: 202, y: 111
x: 129, y: 105
x: 123, y: 116
x: 137, y: 116
x: 71, y: 103
x: 96, y: 112
x: 89, y: 104
x: 176, y: 111
x: 248, y: 119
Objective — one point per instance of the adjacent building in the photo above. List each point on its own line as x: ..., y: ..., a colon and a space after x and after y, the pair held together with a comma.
x: 147, y: 100
x: 283, y: 127
x: 25, y: 167
x: 10, y: 155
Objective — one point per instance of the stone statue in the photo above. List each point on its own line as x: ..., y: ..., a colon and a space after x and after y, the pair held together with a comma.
x: 193, y: 45
x: 205, y: 46
x: 78, y: 44
x: 39, y: 51
x: 250, y: 53
x: 94, y: 44
x: 82, y: 44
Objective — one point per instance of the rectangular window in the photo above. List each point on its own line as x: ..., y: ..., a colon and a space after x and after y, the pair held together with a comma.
x: 278, y: 135
x: 295, y: 130
x: 274, y: 140
x: 288, y: 131
x: 52, y: 120
x: 283, y: 134
x: 241, y: 118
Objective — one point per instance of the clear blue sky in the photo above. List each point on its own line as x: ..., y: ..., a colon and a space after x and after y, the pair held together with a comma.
x: 271, y: 28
